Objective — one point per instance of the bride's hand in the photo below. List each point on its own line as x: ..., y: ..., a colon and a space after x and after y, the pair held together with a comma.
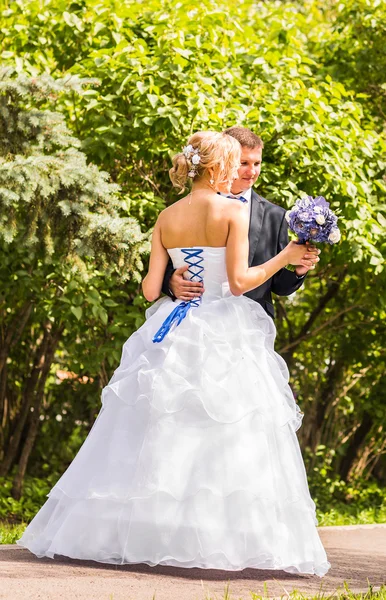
x: 301, y: 254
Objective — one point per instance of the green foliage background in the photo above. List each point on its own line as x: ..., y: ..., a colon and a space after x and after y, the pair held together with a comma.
x: 309, y: 78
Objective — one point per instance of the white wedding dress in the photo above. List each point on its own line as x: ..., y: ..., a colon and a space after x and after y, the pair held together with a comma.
x: 193, y: 460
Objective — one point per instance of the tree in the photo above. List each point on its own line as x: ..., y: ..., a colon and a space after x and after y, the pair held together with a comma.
x: 288, y: 70
x: 354, y: 53
x: 62, y: 230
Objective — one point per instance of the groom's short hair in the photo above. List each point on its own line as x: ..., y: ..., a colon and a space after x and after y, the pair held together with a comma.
x: 245, y: 137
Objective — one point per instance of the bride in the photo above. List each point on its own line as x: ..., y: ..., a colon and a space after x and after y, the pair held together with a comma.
x: 193, y: 459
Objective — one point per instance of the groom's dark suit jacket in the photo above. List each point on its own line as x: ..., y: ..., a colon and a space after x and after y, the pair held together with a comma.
x: 268, y: 235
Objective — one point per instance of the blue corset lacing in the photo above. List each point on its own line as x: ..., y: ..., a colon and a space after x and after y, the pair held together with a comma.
x: 194, y: 260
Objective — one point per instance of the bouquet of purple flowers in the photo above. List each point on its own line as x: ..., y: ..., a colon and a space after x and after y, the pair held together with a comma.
x: 313, y: 221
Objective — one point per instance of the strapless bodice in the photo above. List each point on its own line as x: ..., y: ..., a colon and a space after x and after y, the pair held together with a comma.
x: 207, y: 264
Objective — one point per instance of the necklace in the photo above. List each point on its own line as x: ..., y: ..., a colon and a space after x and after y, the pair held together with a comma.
x: 190, y: 195
x: 192, y: 192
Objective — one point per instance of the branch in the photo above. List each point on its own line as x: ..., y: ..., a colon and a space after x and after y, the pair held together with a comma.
x: 147, y: 178
x: 14, y: 331
x: 345, y: 389
x: 331, y: 292
x: 318, y: 329
x: 285, y: 315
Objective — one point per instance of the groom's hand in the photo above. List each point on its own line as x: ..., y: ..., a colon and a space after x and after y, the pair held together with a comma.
x: 309, y: 261
x: 184, y: 289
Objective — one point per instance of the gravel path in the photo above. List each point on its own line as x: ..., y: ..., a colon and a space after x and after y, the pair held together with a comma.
x: 357, y: 554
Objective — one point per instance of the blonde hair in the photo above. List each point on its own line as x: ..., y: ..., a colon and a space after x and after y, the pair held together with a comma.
x: 217, y: 151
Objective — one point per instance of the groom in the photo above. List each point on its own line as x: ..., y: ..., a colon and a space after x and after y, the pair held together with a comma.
x: 268, y: 234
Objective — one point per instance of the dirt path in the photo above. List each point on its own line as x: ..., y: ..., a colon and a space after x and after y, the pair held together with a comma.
x: 357, y: 555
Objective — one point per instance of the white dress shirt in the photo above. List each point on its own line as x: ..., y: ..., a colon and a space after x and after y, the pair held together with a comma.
x: 247, y: 194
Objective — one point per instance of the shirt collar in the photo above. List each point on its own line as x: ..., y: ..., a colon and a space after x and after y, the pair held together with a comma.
x: 247, y: 194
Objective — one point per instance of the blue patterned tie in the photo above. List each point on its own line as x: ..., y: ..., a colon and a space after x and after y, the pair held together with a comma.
x: 234, y: 197
x: 238, y: 198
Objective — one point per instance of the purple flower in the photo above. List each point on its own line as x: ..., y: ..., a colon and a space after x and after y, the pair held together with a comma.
x: 313, y: 220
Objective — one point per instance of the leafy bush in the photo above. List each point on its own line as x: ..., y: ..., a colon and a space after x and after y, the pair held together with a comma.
x: 299, y: 74
x: 34, y: 495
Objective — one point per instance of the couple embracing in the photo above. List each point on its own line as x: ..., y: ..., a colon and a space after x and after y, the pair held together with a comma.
x: 267, y: 233
x: 193, y: 460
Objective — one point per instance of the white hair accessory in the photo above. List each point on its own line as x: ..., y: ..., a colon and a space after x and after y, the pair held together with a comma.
x: 192, y: 155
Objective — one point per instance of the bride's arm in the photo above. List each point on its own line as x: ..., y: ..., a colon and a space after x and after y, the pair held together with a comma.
x: 152, y: 283
x: 241, y: 277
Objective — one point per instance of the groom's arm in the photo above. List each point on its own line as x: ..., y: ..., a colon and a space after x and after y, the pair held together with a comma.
x: 165, y: 284
x: 285, y: 282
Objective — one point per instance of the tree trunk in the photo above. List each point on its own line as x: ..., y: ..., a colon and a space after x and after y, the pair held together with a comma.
x: 355, y: 443
x: 326, y: 395
x: 13, y: 332
x: 34, y: 417
x: 3, y: 411
x: 28, y: 395
x: 18, y: 481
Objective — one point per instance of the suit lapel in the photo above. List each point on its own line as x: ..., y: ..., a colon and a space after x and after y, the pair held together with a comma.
x: 255, y: 223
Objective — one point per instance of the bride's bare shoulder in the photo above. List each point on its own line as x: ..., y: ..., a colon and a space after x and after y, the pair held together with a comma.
x: 235, y: 208
x: 173, y: 207
x: 219, y: 205
x: 166, y: 213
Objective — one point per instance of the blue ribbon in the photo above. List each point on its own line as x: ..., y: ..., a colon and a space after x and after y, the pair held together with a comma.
x: 175, y: 316
x: 194, y: 260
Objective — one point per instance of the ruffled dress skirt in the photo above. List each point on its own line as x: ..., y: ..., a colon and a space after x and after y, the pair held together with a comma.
x: 193, y: 460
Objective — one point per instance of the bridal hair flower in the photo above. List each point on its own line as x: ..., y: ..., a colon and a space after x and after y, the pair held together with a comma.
x: 193, y: 158
x: 313, y: 220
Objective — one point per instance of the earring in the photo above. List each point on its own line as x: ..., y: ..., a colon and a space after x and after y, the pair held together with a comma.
x: 211, y: 181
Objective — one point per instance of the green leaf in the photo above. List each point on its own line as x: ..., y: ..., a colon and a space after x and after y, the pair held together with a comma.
x: 102, y: 314
x: 351, y: 189
x: 93, y: 296
x: 77, y: 311
x: 109, y: 302
x: 141, y: 87
x: 153, y: 99
x: 174, y: 121
x: 183, y: 52
x: 381, y: 219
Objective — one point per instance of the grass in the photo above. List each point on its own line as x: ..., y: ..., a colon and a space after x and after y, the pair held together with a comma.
x: 9, y: 532
x: 341, y: 593
x: 348, y: 515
